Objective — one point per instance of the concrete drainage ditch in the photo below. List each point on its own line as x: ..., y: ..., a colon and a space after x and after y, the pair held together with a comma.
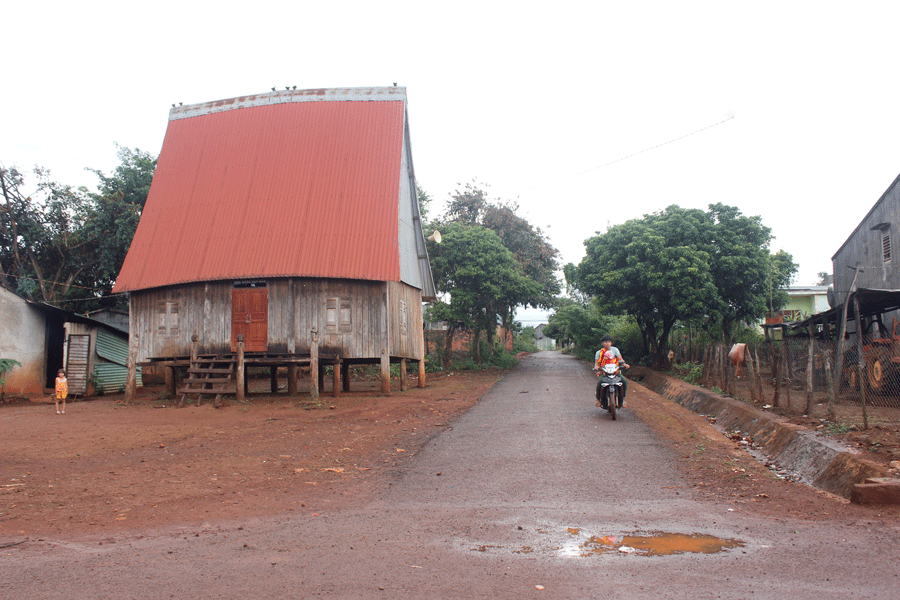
x: 794, y: 451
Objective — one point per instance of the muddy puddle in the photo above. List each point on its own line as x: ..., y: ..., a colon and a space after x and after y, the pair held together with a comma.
x: 647, y: 544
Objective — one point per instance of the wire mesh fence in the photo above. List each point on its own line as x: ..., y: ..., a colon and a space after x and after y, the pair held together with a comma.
x: 851, y: 384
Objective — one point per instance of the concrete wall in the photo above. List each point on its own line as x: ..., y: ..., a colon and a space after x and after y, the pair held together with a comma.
x: 22, y: 338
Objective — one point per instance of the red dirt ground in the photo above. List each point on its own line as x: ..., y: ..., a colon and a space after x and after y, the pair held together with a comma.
x: 105, y: 468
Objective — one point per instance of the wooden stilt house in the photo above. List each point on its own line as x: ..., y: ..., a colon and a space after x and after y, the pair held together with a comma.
x: 281, y: 229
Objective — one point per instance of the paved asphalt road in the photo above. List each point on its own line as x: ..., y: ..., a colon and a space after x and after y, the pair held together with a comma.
x: 502, y: 505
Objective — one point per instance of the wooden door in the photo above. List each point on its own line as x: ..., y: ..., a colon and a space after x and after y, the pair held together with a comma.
x: 77, y: 362
x: 250, y: 318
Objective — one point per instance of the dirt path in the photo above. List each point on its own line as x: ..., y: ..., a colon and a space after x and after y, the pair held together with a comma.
x: 512, y: 499
x: 105, y: 468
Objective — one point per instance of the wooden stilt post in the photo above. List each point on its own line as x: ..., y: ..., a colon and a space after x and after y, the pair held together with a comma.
x: 240, y: 392
x: 292, y: 379
x: 424, y: 347
x: 273, y: 379
x: 131, y: 381
x: 404, y: 376
x: 345, y: 375
x: 385, y: 372
x: 336, y: 378
x: 421, y: 372
x: 314, y: 363
x: 169, y: 373
x: 195, y: 348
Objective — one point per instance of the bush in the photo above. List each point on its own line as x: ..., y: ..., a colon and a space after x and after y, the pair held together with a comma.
x: 690, y: 372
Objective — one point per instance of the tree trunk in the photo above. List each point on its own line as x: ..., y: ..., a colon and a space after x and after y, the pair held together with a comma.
x: 448, y: 346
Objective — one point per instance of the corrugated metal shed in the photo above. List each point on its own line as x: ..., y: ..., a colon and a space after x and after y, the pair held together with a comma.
x: 111, y: 371
x: 289, y: 184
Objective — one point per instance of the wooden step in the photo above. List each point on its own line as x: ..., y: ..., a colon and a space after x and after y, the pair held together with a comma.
x: 221, y: 389
x: 210, y: 371
x: 207, y: 380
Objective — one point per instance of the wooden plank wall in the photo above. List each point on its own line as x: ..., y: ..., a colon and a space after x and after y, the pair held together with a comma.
x: 166, y: 318
x: 406, y: 333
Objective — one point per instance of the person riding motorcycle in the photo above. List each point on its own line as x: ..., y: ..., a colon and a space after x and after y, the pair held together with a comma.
x: 609, y: 354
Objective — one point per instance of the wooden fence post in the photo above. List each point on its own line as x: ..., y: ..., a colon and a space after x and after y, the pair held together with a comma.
x: 788, y: 372
x: 759, y: 385
x: 829, y: 383
x: 810, y: 365
x: 863, y: 374
x: 775, y: 359
x: 751, y: 373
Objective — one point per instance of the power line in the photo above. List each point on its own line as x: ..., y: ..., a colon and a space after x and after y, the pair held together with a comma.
x: 612, y: 162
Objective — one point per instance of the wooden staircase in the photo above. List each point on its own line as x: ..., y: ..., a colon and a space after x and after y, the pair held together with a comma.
x: 210, y: 376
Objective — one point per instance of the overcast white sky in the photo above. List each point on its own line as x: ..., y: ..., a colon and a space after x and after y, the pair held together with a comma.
x: 533, y: 99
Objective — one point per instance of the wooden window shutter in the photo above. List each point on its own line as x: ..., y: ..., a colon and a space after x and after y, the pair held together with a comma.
x: 346, y: 318
x: 886, y: 246
x: 331, y: 315
x: 173, y: 318
x: 162, y: 320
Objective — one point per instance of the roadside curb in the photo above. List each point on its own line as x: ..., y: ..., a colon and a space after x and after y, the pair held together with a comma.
x: 818, y: 461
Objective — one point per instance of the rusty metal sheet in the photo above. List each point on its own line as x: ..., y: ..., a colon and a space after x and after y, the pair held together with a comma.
x: 289, y: 189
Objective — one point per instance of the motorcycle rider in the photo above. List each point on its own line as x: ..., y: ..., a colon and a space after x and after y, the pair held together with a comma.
x: 606, y: 355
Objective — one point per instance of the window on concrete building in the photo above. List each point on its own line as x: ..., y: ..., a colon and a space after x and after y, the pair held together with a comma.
x: 886, y: 246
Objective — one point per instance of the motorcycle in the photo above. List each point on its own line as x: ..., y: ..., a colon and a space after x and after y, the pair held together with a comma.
x: 612, y: 392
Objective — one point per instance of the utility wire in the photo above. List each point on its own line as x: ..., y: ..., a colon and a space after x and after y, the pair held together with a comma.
x: 612, y: 162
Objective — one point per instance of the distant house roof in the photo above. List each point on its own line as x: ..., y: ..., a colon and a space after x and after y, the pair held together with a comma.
x: 304, y: 183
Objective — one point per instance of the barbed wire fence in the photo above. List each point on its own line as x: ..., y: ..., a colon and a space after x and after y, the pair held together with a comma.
x: 798, y: 376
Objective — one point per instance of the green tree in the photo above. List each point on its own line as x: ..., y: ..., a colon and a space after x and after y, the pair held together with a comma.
x: 685, y: 264
x: 130, y: 180
x: 44, y: 248
x: 538, y: 259
x: 481, y: 277
x: 745, y: 273
x: 66, y: 245
x: 650, y: 269
x: 468, y: 205
x: 425, y: 200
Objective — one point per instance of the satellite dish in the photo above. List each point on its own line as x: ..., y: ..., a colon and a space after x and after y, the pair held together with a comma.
x: 435, y: 237
x: 832, y: 299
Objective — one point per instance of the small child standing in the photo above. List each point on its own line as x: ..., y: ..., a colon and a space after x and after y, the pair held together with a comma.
x: 62, y: 390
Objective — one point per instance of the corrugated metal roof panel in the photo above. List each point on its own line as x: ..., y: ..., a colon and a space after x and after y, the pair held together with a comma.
x: 301, y: 188
x: 112, y: 348
x: 112, y: 377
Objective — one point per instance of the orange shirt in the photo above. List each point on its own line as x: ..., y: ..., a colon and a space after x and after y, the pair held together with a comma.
x: 62, y: 387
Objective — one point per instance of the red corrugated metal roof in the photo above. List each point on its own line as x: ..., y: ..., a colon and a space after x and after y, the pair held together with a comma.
x: 297, y: 189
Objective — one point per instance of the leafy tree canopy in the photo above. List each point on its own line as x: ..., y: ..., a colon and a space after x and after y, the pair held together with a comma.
x: 131, y: 179
x: 531, y: 278
x: 64, y: 245
x: 680, y: 264
x: 480, y: 275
